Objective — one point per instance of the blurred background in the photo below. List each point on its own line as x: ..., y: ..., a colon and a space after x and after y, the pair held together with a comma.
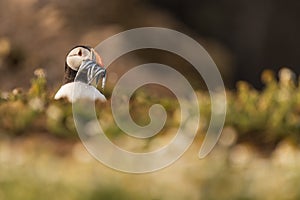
x: 258, y: 155
x: 242, y: 37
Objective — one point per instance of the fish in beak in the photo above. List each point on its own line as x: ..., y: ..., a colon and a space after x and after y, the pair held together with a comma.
x: 83, y: 71
x: 92, y: 71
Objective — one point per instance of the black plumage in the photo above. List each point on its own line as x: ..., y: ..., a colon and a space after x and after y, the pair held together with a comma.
x: 70, y: 74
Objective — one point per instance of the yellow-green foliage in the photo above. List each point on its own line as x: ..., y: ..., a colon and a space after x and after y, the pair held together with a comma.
x: 64, y: 169
x: 269, y: 115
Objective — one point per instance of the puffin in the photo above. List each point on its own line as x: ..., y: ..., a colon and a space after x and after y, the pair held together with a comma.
x: 83, y: 70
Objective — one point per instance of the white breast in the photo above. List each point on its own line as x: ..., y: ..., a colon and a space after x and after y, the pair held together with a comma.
x: 78, y: 90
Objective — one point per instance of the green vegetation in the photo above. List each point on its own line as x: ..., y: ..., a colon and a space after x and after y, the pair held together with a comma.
x: 266, y: 116
x: 42, y: 158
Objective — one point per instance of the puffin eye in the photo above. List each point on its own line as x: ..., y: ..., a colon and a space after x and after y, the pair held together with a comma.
x: 80, y: 52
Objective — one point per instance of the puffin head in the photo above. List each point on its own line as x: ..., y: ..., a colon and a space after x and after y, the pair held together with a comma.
x: 75, y: 59
x: 83, y: 70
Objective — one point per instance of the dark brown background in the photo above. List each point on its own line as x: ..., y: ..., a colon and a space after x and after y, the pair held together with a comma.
x: 243, y: 37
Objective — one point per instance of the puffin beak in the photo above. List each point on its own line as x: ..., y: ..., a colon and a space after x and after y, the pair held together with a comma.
x: 92, y: 70
x: 102, y: 75
x: 96, y: 57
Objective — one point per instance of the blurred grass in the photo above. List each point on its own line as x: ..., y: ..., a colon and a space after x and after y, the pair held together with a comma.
x: 41, y: 157
x: 35, y: 169
x: 270, y: 115
x: 260, y: 117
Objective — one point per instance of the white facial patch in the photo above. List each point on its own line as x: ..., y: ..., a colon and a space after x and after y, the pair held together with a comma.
x: 76, y: 56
